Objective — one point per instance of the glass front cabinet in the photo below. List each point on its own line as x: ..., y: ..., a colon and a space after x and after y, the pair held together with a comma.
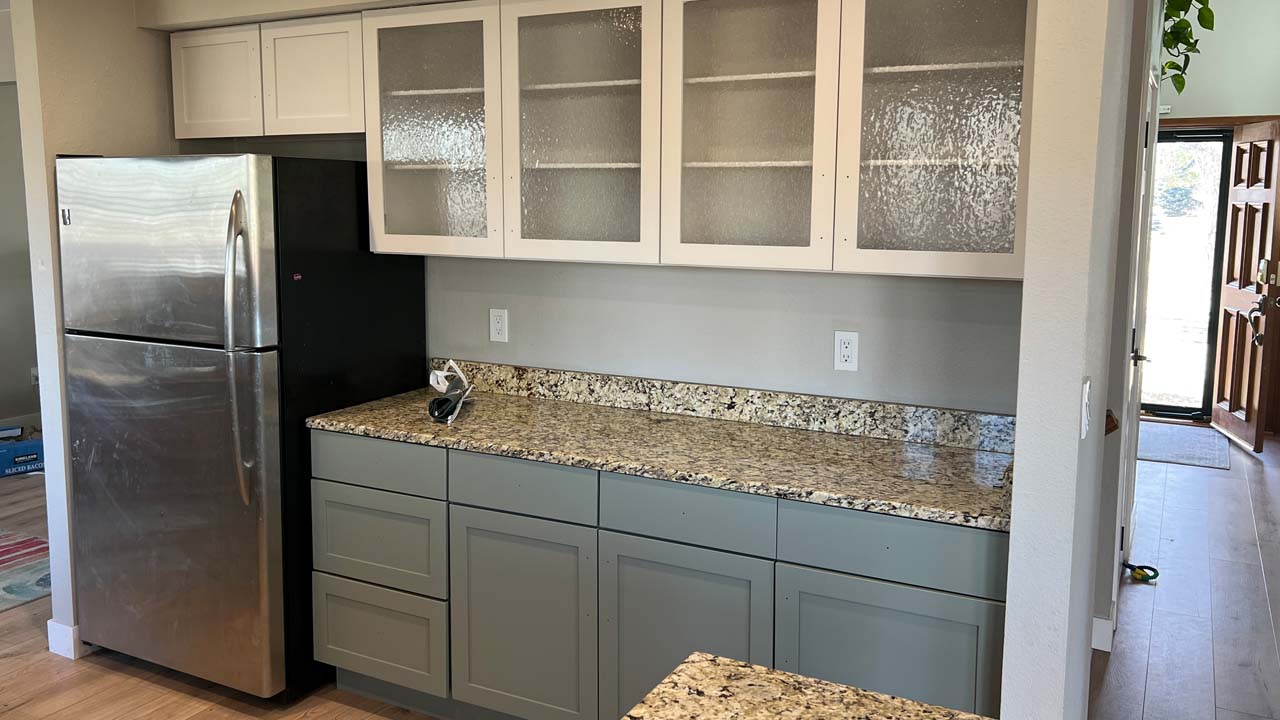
x: 433, y: 110
x: 930, y: 119
x: 872, y: 136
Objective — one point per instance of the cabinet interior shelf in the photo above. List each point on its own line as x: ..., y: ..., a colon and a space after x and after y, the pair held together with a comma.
x: 630, y: 82
x: 411, y: 167
x: 754, y: 77
x: 585, y: 166
x: 917, y: 162
x: 435, y: 91
x: 752, y: 164
x: 942, y: 67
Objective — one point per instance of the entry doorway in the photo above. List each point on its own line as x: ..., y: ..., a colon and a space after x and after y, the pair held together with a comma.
x: 1188, y: 231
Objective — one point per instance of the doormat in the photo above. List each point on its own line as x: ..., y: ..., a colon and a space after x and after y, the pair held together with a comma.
x: 1184, y: 444
x: 24, y: 569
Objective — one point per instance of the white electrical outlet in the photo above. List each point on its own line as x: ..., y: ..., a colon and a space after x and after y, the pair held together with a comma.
x: 498, y: 325
x: 846, y: 351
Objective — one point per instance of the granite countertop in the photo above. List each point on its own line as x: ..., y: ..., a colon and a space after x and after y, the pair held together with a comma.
x: 714, y: 688
x: 930, y: 482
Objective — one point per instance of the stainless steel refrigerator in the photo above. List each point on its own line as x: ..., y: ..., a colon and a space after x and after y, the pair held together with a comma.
x: 210, y: 305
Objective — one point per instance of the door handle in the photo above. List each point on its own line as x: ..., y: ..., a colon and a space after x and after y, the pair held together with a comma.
x: 1255, y: 317
x: 235, y: 232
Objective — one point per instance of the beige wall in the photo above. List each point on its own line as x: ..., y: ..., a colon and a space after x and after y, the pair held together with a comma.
x: 90, y: 82
x: 1075, y: 159
x: 1238, y: 69
x: 18, y: 347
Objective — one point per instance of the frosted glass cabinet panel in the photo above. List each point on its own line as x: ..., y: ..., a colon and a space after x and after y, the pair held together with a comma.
x: 433, y: 129
x: 930, y: 123
x: 581, y: 87
x: 749, y: 132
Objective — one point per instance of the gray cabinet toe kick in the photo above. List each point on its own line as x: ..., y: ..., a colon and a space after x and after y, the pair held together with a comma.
x: 476, y: 586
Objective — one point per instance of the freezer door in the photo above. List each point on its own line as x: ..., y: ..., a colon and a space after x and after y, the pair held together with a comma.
x: 176, y: 534
x: 148, y: 243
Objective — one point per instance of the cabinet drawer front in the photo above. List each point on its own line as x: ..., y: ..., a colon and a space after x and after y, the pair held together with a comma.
x: 916, y: 552
x: 660, y: 601
x: 381, y: 537
x: 687, y: 513
x: 543, y: 489
x: 524, y: 615
x: 385, y: 634
x: 925, y: 645
x: 382, y: 464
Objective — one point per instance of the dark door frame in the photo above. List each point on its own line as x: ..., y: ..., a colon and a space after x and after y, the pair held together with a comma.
x: 1226, y: 135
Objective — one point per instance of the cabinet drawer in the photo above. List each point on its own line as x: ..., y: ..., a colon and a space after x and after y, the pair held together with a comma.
x: 385, y: 634
x: 382, y: 464
x: 687, y: 513
x: 915, y: 552
x: 384, y: 538
x: 543, y: 489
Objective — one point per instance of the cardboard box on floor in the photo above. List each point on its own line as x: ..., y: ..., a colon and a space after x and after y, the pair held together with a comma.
x: 21, y: 450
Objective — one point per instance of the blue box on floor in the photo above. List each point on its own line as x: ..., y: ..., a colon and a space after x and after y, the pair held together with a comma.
x: 21, y: 450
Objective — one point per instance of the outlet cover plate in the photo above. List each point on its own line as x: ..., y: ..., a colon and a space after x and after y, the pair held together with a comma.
x: 846, y: 351
x: 499, y: 325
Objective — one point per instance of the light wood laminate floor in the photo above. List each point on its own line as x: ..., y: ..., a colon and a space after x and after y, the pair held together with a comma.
x: 36, y: 684
x: 1200, y: 643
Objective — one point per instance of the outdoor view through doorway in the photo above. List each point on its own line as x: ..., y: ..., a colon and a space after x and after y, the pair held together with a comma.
x: 1187, y: 230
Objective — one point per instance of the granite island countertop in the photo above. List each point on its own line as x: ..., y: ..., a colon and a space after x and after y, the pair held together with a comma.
x: 714, y: 688
x: 929, y: 482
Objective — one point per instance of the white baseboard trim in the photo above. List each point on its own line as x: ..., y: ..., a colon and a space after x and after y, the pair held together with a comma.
x: 1104, y: 630
x: 64, y: 640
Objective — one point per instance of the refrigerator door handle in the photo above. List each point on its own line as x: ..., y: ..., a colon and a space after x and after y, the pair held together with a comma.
x: 235, y: 232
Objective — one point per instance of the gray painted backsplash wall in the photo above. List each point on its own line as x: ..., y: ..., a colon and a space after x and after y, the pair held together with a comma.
x: 945, y: 343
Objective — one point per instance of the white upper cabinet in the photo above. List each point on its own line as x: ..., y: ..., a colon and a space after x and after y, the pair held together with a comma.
x: 581, y: 83
x: 433, y: 119
x: 930, y: 120
x: 749, y: 132
x: 217, y: 82
x: 313, y: 76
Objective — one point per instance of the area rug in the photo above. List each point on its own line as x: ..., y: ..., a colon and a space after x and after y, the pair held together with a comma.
x: 24, y: 569
x: 1184, y: 444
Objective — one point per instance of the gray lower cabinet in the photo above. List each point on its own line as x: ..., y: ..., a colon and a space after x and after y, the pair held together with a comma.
x: 382, y: 537
x: 661, y: 601
x: 523, y: 614
x: 921, y: 644
x: 385, y: 634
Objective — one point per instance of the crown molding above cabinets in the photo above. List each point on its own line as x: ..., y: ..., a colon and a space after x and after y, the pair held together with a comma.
x: 173, y: 15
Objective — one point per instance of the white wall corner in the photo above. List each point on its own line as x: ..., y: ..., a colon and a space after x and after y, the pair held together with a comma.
x: 1104, y: 631
x: 64, y: 640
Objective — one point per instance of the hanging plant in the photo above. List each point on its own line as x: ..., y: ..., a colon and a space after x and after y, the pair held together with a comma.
x: 1180, y: 42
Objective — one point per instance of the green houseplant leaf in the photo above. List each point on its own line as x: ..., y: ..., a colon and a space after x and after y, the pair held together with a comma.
x: 1179, y: 40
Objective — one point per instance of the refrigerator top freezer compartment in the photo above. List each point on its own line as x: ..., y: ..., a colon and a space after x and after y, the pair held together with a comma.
x: 179, y: 249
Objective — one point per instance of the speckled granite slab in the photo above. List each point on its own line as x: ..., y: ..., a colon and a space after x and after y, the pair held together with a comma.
x: 929, y: 482
x: 888, y: 421
x: 714, y: 688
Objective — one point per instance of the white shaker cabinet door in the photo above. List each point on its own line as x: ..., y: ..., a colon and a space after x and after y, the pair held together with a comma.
x: 749, y: 132
x: 217, y: 82
x: 581, y: 83
x: 433, y: 129
x: 313, y: 76
x: 930, y: 130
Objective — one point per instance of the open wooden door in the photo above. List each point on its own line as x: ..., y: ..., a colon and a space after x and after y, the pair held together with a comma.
x: 1249, y: 289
